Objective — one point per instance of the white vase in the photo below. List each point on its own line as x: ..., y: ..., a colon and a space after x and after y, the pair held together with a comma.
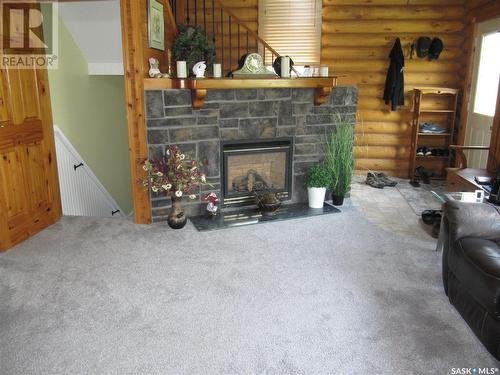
x: 316, y: 196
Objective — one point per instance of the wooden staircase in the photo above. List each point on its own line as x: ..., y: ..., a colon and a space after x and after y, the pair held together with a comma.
x: 232, y: 37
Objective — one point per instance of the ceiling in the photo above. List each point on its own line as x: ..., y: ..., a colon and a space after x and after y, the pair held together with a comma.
x: 96, y: 28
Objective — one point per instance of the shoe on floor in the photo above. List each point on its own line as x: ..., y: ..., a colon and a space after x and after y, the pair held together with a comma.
x: 374, y: 181
x: 424, y: 173
x: 429, y: 217
x: 386, y: 180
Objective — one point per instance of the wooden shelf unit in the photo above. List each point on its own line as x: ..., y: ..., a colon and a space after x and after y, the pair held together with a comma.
x: 323, y: 85
x: 447, y: 121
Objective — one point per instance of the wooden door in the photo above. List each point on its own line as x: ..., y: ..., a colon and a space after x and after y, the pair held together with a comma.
x: 485, y: 77
x: 29, y: 188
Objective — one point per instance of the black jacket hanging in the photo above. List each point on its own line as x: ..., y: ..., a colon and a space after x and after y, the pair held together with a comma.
x: 394, y: 83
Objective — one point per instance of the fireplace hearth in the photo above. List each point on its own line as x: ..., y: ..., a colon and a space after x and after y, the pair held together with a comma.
x: 253, y: 166
x: 284, y: 120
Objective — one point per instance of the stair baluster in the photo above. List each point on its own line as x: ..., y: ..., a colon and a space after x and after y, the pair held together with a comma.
x: 242, y: 39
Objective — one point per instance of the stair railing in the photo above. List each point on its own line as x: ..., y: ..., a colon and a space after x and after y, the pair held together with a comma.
x: 230, y: 35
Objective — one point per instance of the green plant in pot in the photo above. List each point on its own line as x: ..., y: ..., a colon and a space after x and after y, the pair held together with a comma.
x: 192, y: 45
x: 339, y: 160
x: 317, y: 180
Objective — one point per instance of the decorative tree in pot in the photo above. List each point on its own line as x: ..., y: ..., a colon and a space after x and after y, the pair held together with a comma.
x: 317, y: 180
x: 339, y: 161
x: 192, y: 45
x: 175, y: 176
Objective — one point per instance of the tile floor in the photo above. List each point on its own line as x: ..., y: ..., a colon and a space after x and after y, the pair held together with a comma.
x: 388, y: 209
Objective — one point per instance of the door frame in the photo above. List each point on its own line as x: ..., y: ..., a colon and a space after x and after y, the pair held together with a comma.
x: 474, y: 17
x: 482, y: 28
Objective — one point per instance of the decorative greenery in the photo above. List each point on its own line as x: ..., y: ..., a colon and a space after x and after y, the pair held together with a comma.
x: 192, y: 45
x: 339, y: 158
x: 173, y: 174
x: 318, y: 176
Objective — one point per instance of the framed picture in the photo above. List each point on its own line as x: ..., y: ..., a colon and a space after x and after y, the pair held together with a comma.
x: 156, y: 25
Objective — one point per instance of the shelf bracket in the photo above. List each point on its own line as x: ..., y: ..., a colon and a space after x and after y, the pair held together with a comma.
x: 198, y: 97
x: 321, y: 94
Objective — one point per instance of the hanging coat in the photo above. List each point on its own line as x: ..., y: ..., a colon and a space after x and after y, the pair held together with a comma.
x: 394, y: 83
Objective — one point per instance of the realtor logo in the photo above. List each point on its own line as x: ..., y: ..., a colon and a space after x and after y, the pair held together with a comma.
x: 28, y: 34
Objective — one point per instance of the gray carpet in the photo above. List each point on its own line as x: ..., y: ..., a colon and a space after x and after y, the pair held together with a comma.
x: 324, y: 295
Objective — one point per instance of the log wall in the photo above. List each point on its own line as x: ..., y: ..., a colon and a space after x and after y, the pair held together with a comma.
x: 357, y: 36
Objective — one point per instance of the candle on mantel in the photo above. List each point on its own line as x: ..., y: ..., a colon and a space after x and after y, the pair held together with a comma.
x: 285, y: 67
x: 217, y: 70
x: 181, y: 69
x: 323, y: 71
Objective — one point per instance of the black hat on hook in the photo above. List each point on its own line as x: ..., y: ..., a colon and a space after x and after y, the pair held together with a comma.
x: 435, y: 48
x: 423, y: 44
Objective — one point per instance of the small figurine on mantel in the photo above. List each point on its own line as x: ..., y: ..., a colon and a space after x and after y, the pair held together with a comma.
x: 154, y: 69
x: 199, y: 69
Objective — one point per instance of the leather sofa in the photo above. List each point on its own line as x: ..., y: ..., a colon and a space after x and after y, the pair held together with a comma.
x: 471, y: 267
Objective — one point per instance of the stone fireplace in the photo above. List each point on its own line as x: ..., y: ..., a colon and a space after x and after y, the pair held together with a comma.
x: 246, y: 118
x: 249, y: 166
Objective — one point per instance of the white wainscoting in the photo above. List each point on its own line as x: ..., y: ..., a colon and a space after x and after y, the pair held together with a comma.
x: 81, y: 192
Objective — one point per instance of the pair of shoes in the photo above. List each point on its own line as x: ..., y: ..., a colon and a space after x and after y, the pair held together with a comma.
x: 379, y: 180
x: 424, y: 151
x: 429, y: 127
x: 386, y: 180
x: 374, y: 181
x: 425, y: 174
x: 440, y: 152
x: 429, y: 217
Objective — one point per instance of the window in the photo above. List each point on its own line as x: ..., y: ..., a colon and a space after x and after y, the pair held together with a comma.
x: 488, y: 75
x: 293, y: 28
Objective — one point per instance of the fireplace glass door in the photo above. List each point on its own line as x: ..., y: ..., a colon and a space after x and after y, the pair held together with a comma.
x: 255, y: 166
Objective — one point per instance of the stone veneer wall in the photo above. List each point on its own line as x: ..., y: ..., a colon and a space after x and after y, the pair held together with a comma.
x: 243, y: 114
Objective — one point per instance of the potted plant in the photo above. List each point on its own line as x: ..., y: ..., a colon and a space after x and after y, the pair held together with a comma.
x: 192, y: 45
x: 339, y: 161
x: 174, y: 176
x: 317, y: 180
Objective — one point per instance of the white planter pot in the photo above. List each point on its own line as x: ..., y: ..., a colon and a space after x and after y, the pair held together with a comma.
x: 316, y: 197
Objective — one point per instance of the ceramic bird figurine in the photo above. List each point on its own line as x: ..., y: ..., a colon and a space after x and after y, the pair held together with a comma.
x: 199, y: 69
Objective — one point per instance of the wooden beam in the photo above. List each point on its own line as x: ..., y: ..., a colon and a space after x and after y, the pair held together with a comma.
x: 132, y: 20
x: 494, y: 154
x: 322, y: 85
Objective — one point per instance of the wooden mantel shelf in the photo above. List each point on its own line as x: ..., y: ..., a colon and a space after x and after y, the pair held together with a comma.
x: 323, y: 85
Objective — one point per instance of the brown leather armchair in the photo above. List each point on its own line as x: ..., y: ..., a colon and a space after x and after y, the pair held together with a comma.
x: 471, y: 267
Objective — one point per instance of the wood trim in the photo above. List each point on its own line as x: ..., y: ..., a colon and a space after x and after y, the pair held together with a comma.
x: 132, y: 16
x: 237, y: 83
x: 494, y: 154
x: 171, y: 19
x: 469, y: 60
x: 458, y: 147
x: 48, y: 129
x: 322, y: 85
x: 483, y: 13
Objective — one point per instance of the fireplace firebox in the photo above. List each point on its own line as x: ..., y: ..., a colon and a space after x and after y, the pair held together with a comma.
x: 250, y: 166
